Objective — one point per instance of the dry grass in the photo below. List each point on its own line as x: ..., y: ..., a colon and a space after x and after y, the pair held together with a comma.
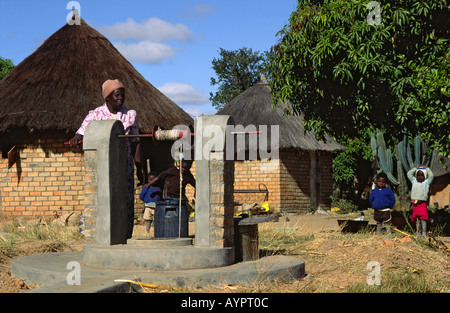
x: 40, y: 237
x: 335, y: 262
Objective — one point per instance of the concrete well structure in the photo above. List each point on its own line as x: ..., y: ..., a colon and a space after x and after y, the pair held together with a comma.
x: 107, y: 256
x: 106, y: 217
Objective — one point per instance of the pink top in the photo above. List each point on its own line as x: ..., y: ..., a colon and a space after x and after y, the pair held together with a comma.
x: 126, y: 116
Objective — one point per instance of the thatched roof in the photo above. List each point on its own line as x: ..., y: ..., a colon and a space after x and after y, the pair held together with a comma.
x: 254, y: 107
x: 54, y: 88
x: 441, y: 169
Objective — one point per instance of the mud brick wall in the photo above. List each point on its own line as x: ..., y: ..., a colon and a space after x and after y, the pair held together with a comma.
x: 288, y: 185
x: 250, y: 176
x: 295, y: 181
x: 326, y: 176
x: 48, y: 178
x: 440, y: 191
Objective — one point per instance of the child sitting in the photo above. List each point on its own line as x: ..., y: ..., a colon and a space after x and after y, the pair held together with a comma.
x: 382, y: 199
x: 150, y: 195
x: 421, y: 178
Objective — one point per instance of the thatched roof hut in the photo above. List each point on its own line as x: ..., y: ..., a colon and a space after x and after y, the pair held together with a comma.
x: 55, y: 87
x: 440, y: 188
x: 441, y: 169
x: 254, y: 107
x: 44, y: 101
x: 303, y: 177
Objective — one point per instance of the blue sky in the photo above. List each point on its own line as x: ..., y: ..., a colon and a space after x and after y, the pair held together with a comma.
x: 170, y: 42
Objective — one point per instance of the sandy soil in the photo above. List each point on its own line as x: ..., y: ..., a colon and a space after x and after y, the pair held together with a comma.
x: 333, y: 260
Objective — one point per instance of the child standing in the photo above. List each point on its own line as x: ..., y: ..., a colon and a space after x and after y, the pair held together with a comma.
x: 421, y: 179
x: 382, y: 199
x: 171, y: 179
x: 150, y: 195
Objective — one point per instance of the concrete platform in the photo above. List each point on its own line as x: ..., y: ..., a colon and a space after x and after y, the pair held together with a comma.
x: 49, y: 271
x: 164, y: 254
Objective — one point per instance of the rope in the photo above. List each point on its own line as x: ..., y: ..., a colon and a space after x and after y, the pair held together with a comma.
x: 165, y: 135
x: 181, y: 188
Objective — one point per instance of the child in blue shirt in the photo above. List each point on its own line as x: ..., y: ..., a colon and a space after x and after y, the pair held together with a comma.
x: 382, y: 199
x: 150, y: 195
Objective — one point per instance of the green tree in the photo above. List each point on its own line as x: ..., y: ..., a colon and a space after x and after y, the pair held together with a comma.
x: 236, y: 71
x: 6, y: 66
x: 352, y: 163
x: 347, y: 75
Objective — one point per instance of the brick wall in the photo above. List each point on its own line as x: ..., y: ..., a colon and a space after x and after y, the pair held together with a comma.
x: 249, y: 176
x: 221, y: 205
x: 47, y: 178
x: 295, y: 181
x: 50, y: 178
x: 326, y: 179
x: 289, y: 186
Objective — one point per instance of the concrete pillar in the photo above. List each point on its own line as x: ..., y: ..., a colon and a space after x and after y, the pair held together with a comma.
x: 105, y: 183
x: 214, y: 206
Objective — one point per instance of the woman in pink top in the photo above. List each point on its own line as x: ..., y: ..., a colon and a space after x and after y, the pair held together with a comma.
x: 114, y: 95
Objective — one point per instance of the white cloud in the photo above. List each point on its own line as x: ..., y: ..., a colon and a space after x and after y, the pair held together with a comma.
x: 145, y: 51
x: 195, y: 111
x: 181, y: 93
x: 152, y: 29
x: 199, y: 11
x: 146, y: 42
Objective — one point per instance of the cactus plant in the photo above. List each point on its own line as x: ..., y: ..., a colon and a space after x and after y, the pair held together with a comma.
x: 405, y: 161
x: 384, y: 156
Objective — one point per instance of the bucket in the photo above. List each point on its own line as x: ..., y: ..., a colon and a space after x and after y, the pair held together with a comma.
x: 167, y: 219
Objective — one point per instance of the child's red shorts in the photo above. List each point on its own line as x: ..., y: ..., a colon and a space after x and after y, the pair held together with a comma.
x: 420, y: 211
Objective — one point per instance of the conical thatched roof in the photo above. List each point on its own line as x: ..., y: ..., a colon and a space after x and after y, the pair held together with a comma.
x: 55, y: 87
x: 254, y: 107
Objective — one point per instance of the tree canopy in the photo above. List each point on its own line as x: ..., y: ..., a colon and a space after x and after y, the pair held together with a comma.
x: 347, y: 73
x: 6, y: 66
x: 236, y: 70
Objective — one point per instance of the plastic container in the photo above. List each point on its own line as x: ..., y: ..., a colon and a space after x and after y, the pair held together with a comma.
x: 167, y: 219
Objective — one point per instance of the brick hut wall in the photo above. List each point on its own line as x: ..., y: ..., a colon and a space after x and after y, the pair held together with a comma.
x: 52, y: 181
x: 327, y: 182
x: 295, y: 181
x: 248, y: 176
x: 47, y: 179
x: 289, y: 186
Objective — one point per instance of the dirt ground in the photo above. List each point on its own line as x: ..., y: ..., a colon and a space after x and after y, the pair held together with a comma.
x: 333, y: 260
x: 11, y: 284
